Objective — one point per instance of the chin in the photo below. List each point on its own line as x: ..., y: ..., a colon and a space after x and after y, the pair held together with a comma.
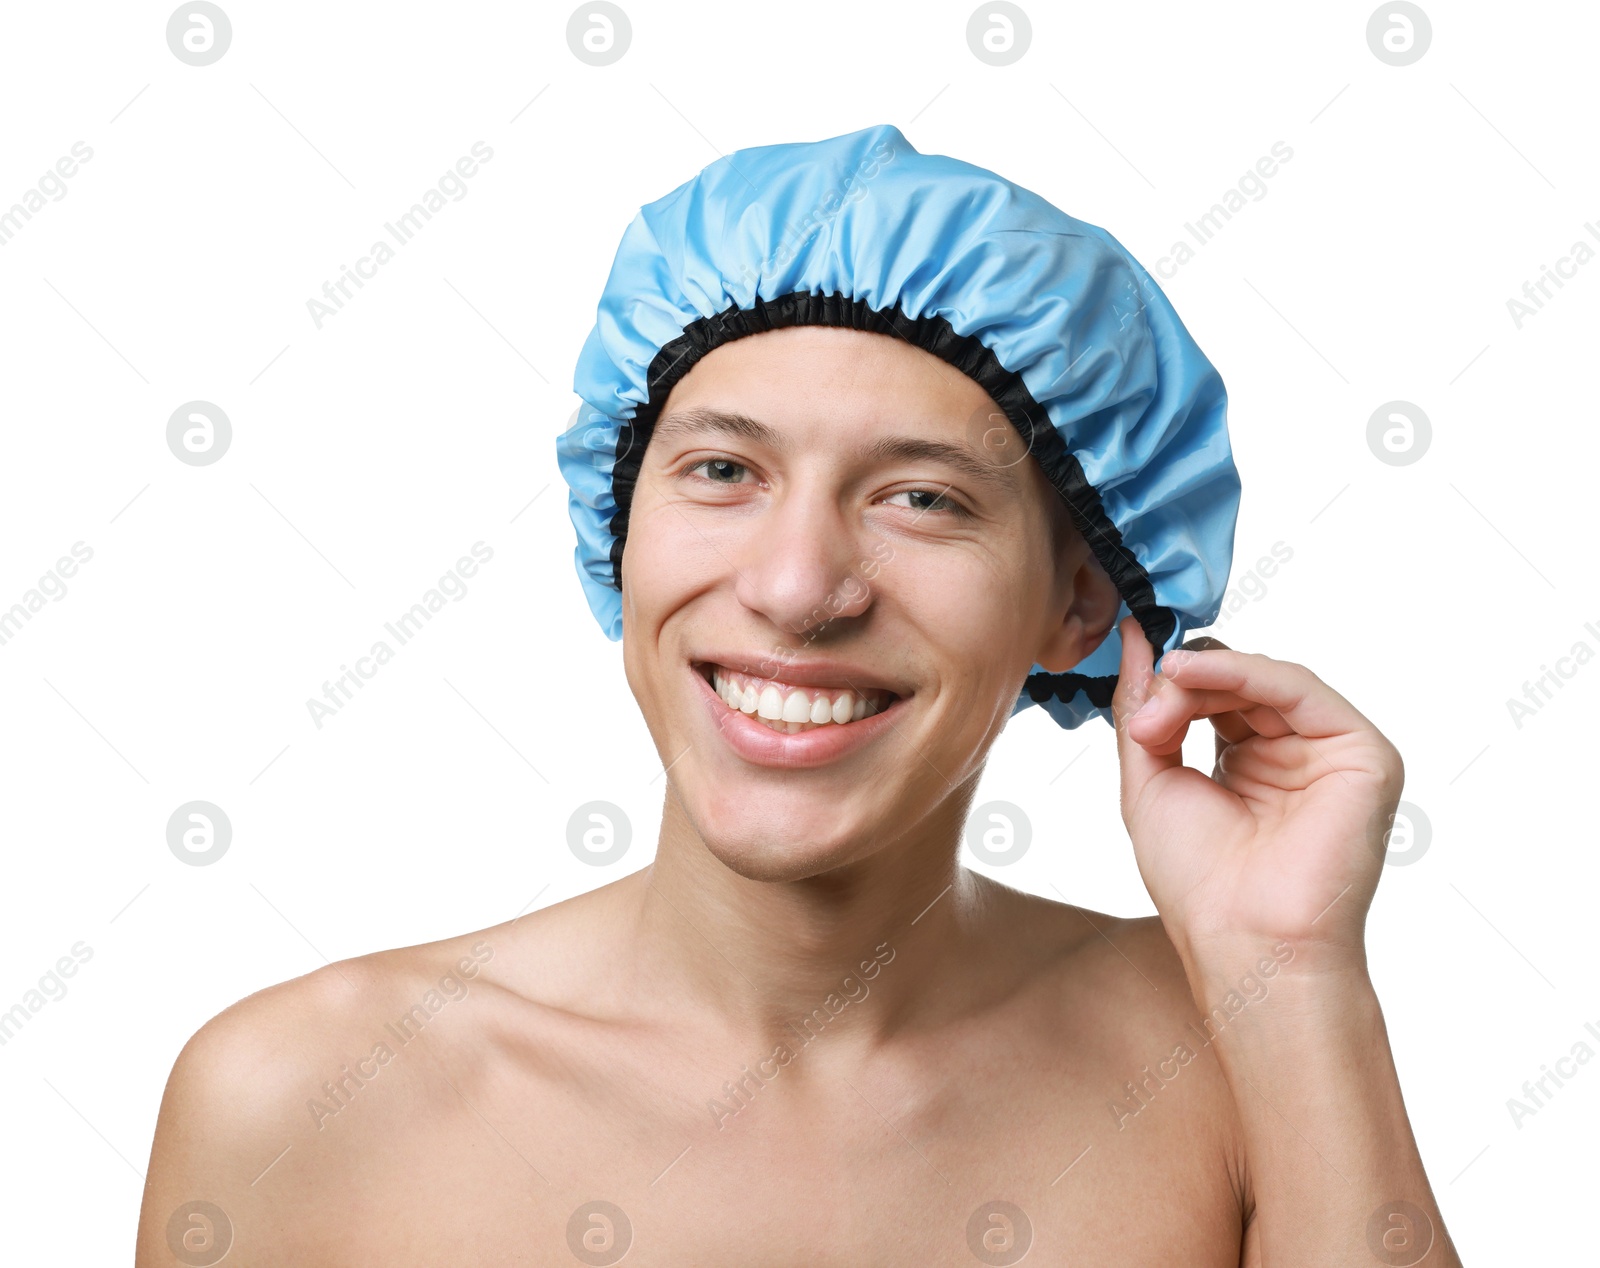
x: 766, y: 851
x: 775, y: 863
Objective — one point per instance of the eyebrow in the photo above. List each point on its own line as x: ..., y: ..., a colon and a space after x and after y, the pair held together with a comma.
x: 704, y: 421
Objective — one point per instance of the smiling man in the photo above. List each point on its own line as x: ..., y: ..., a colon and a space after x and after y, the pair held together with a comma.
x: 824, y: 576
x: 877, y: 454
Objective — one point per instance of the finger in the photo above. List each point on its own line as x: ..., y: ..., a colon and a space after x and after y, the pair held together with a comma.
x: 1232, y: 723
x: 1177, y: 705
x: 1306, y: 704
x: 1230, y: 729
x: 1288, y: 761
x: 1166, y: 726
x: 1135, y: 681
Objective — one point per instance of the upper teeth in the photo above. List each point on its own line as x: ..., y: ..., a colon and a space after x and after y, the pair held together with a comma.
x: 778, y: 702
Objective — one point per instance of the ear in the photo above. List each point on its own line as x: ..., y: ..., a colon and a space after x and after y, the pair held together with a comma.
x: 1092, y: 603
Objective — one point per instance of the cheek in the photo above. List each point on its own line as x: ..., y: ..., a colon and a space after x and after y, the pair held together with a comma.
x: 968, y: 612
x: 969, y: 601
x: 658, y: 553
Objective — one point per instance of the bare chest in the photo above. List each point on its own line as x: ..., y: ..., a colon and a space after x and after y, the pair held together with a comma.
x: 826, y: 1164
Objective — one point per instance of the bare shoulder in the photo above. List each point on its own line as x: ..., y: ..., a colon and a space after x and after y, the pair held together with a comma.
x: 1128, y: 959
x: 248, y: 1113
x: 1178, y: 1036
x: 1131, y: 1004
x: 378, y: 1066
x: 1143, y: 1059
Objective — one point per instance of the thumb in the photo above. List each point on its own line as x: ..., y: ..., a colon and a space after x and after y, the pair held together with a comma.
x: 1136, y: 684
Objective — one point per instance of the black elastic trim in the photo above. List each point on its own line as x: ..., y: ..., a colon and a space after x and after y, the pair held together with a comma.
x: 966, y: 353
x: 1042, y: 686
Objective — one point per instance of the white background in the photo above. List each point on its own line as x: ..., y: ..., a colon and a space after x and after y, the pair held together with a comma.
x: 369, y: 455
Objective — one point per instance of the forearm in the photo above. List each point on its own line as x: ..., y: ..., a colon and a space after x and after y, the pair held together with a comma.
x: 1328, y: 1145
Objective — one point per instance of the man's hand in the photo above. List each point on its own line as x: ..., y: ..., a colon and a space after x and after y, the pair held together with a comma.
x: 1282, y: 843
x: 1284, y: 840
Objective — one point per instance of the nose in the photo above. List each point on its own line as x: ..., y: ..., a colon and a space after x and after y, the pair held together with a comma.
x: 800, y: 566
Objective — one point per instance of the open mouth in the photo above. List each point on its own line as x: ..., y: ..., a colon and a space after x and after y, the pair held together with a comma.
x: 789, y: 709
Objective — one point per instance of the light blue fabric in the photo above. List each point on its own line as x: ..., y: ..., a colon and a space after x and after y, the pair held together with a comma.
x: 1058, y: 302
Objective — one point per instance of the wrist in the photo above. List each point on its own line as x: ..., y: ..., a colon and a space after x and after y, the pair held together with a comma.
x: 1243, y: 964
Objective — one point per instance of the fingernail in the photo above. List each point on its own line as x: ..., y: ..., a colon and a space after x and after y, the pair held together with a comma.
x: 1147, y: 707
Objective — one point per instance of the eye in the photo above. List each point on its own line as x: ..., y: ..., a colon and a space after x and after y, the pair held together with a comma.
x: 935, y: 501
x: 721, y: 466
x: 726, y: 471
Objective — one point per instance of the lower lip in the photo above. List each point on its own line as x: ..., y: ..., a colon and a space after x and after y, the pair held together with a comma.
x: 762, y: 746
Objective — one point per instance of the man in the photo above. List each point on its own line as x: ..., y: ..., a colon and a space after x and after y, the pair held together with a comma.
x: 805, y: 1034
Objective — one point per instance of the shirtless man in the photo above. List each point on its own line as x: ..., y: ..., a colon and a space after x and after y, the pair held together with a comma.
x: 805, y: 1035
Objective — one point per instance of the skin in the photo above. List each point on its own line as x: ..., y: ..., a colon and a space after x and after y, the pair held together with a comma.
x: 976, y: 1044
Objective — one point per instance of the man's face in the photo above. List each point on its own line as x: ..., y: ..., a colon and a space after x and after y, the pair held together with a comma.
x: 816, y: 550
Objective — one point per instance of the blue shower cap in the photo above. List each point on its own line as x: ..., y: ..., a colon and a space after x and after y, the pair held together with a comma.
x: 1052, y: 317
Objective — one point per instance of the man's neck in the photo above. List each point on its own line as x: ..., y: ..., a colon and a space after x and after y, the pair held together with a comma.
x: 902, y: 927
